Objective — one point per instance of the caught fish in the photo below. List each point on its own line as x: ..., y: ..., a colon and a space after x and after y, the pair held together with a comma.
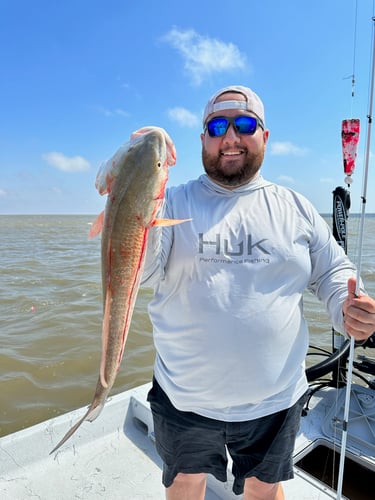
x: 134, y: 179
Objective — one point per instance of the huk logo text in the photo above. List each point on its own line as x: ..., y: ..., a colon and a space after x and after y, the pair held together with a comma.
x: 245, y: 247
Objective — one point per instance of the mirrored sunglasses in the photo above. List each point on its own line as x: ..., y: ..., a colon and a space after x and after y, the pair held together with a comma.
x: 218, y: 126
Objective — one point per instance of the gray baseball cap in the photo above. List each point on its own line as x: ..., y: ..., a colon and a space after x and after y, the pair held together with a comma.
x: 252, y: 103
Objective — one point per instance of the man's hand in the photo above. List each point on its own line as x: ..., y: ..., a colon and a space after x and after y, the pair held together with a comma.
x: 359, y: 313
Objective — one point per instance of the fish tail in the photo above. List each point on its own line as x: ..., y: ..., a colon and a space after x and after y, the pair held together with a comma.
x: 91, y: 414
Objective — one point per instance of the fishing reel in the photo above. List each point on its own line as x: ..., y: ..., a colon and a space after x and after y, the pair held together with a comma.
x: 335, y: 363
x: 370, y: 342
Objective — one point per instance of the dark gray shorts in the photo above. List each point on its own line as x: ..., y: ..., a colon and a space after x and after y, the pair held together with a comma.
x: 190, y: 443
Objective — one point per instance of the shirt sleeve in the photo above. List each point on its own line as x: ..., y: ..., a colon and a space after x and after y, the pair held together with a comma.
x: 331, y: 269
x: 157, y: 251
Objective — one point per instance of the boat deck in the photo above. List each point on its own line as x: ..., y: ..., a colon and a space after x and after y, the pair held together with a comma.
x: 114, y: 457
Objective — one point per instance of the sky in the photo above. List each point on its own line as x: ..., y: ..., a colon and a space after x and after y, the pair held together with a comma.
x: 78, y: 77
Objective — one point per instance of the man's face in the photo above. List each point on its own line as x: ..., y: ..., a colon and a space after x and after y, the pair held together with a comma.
x: 233, y: 159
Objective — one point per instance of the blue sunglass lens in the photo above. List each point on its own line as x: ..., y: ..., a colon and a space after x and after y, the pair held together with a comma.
x: 217, y: 127
x: 245, y: 124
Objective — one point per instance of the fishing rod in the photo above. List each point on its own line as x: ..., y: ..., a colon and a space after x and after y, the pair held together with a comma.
x: 359, y: 263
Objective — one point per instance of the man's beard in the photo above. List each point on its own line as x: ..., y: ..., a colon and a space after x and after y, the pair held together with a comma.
x: 226, y: 176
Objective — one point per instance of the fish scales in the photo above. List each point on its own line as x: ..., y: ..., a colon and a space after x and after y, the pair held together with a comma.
x: 135, y: 183
x: 130, y: 212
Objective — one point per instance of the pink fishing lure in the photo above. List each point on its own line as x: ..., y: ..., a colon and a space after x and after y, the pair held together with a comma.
x: 350, y: 137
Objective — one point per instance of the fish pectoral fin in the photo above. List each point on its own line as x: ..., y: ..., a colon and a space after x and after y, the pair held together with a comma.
x: 169, y: 222
x: 97, y: 225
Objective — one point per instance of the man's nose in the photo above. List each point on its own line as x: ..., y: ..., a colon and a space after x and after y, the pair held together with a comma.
x: 231, y: 134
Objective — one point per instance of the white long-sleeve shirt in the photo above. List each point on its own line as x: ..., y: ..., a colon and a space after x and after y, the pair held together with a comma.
x: 227, y: 312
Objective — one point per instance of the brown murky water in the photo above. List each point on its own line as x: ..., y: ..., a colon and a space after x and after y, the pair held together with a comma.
x: 50, y: 327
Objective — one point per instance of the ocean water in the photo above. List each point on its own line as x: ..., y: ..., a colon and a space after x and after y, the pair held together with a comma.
x: 51, y: 312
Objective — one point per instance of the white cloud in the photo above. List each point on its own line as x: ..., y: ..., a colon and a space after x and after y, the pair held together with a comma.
x: 112, y: 112
x: 286, y: 179
x: 120, y: 112
x: 66, y: 163
x: 327, y: 180
x: 204, y: 56
x: 3, y: 193
x: 183, y: 117
x: 287, y: 148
